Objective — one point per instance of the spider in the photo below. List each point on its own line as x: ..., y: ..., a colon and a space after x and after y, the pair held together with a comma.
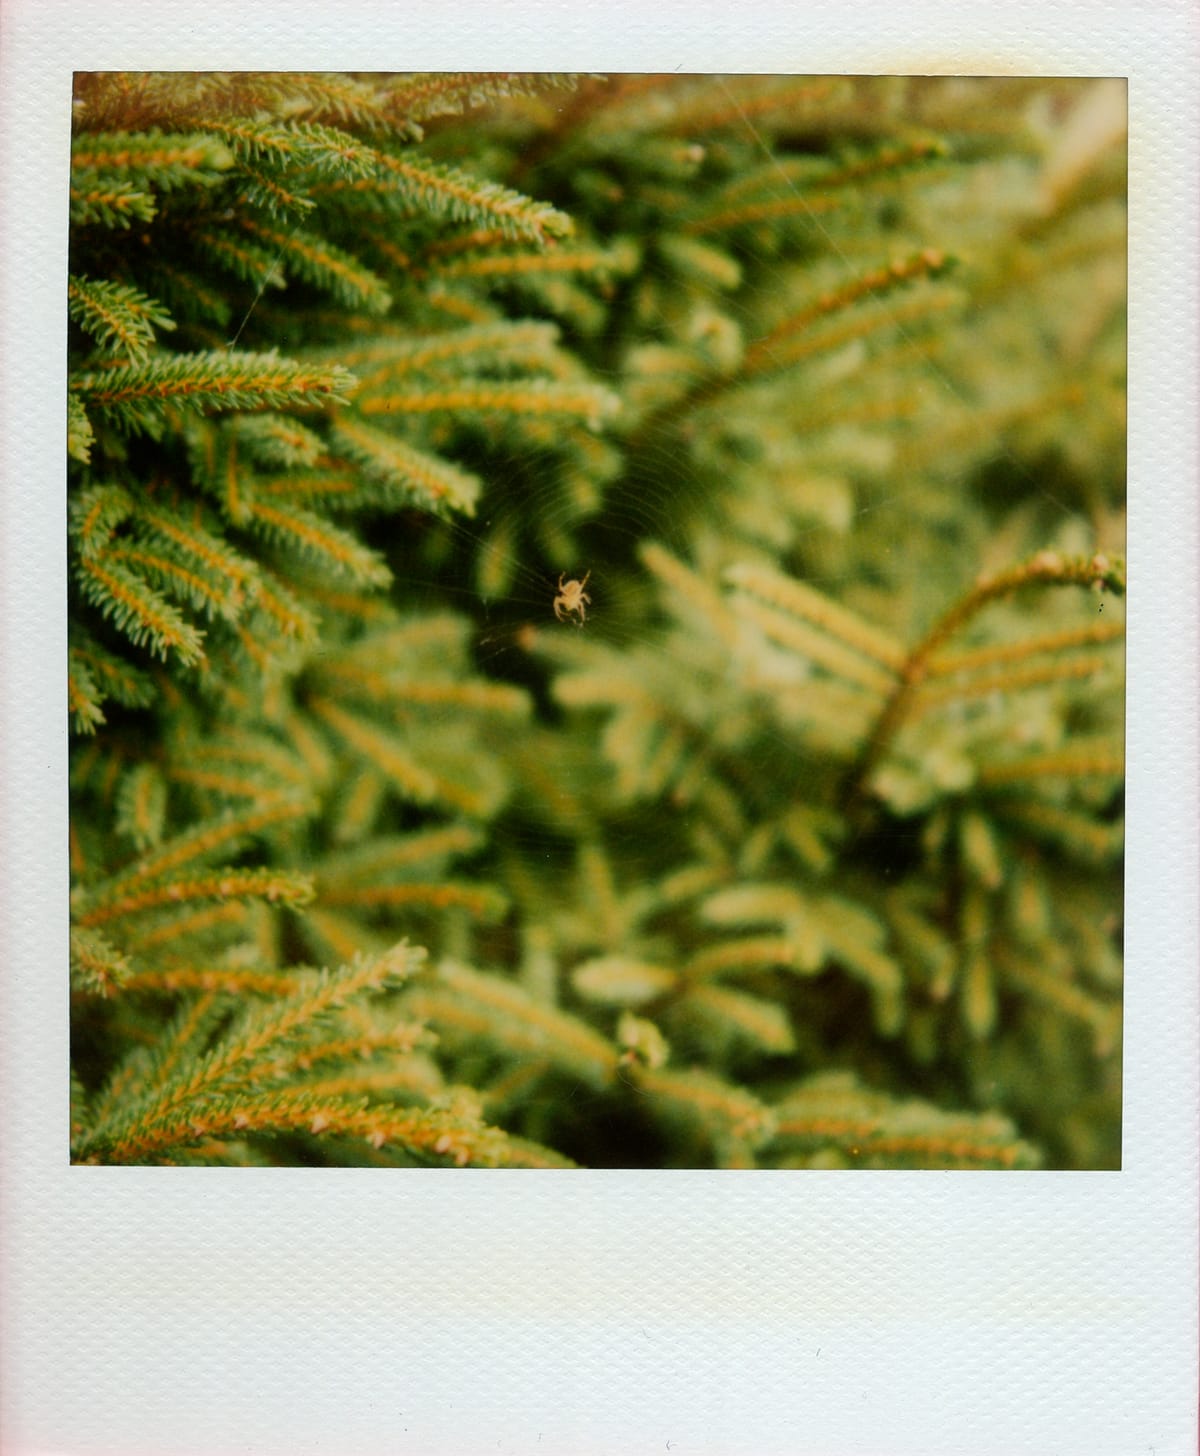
x: 571, y: 598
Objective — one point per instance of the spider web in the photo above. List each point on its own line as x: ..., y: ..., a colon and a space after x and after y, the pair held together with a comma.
x: 662, y: 498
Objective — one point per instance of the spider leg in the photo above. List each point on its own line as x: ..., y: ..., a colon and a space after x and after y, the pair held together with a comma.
x: 558, y: 610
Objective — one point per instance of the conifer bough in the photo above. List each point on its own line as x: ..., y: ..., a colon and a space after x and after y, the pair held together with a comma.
x: 801, y: 847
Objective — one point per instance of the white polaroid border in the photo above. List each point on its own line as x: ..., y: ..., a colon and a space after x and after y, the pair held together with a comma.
x: 351, y: 1312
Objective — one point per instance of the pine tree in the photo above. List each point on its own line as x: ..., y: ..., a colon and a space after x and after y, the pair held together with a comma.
x: 797, y: 842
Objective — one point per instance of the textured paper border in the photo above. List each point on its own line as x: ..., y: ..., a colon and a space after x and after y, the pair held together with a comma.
x: 438, y: 1312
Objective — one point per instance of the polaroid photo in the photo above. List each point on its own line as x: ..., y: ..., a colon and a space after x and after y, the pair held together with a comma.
x: 600, y: 816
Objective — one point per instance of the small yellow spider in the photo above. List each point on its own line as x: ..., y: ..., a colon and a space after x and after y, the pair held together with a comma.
x: 571, y: 598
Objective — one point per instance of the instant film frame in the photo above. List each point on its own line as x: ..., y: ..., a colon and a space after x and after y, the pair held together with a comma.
x: 182, y: 1311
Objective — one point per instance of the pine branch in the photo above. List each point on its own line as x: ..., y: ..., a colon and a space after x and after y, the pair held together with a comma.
x: 590, y: 403
x: 233, y: 982
x: 619, y: 981
x: 779, y: 348
x: 1046, y: 568
x: 127, y: 600
x: 421, y: 97
x: 945, y: 664
x: 481, y: 901
x: 122, y: 319
x: 1075, y: 668
x: 429, y: 1136
x: 724, y: 1113
x: 301, y: 146
x: 197, y: 543
x: 1084, y: 838
x: 217, y: 599
x: 397, y: 688
x: 172, y: 1112
x: 142, y: 806
x: 95, y: 675
x: 223, y: 835
x: 97, y: 967
x: 98, y: 201
x: 622, y: 840
x: 867, y: 1130
x: 471, y: 1004
x: 80, y: 434
x: 158, y: 159
x: 136, y: 396
x: 1102, y: 758
x: 808, y: 185
x: 83, y: 696
x: 337, y: 550
x: 444, y: 191
x: 753, y: 1019
x: 596, y: 264
x: 512, y: 345
x: 803, y: 601
x: 274, y: 886
x: 321, y: 264
x: 416, y: 476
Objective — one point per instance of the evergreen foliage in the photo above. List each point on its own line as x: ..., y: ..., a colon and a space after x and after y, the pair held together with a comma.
x: 804, y: 848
